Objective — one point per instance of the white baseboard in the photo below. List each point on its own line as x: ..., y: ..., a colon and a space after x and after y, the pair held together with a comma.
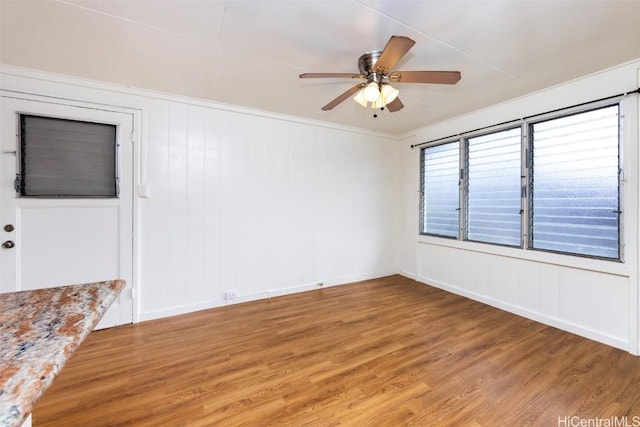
x: 408, y: 274
x: 178, y: 310
x: 275, y: 292
x: 270, y: 293
x: 530, y: 314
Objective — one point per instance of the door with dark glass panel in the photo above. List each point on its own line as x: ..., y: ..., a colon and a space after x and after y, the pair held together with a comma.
x: 66, y: 198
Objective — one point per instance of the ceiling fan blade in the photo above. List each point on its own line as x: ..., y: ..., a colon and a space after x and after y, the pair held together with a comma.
x: 344, y: 96
x: 396, y: 48
x: 395, y: 105
x: 436, y: 77
x: 330, y: 75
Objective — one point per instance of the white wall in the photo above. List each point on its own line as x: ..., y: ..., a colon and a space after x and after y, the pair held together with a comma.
x: 233, y: 199
x: 228, y: 198
x: 259, y: 204
x: 593, y: 298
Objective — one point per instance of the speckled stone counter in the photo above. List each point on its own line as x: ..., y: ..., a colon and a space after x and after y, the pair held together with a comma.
x: 39, y: 331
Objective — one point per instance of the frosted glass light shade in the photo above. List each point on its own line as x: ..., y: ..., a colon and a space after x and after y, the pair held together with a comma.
x: 385, y: 94
x: 371, y: 92
x: 389, y: 93
x: 359, y: 98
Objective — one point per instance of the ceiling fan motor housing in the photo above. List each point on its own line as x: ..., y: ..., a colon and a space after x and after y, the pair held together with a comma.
x: 367, y: 62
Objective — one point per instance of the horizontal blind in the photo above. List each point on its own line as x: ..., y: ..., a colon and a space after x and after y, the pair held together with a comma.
x: 67, y: 158
x: 493, y: 188
x: 440, y: 194
x: 576, y: 185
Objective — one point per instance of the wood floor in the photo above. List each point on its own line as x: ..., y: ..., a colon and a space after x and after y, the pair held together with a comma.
x: 385, y: 352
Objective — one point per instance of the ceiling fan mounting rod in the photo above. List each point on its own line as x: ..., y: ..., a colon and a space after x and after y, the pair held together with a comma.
x: 375, y: 78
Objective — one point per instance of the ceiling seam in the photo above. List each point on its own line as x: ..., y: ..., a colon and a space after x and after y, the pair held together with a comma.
x: 359, y: 2
x: 214, y: 50
x: 133, y: 21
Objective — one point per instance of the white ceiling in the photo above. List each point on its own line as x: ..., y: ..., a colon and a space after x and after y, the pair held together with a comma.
x: 250, y: 53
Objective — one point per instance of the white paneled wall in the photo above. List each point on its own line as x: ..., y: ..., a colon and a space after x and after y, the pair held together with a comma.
x: 231, y: 199
x: 408, y: 195
x: 591, y: 303
x: 596, y: 299
x: 261, y: 205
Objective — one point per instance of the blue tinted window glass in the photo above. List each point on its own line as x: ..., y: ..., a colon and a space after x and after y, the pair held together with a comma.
x: 494, y: 181
x: 440, y: 193
x: 575, y: 184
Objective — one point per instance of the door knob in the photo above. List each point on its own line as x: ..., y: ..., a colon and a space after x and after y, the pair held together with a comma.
x: 8, y: 244
x: 9, y: 228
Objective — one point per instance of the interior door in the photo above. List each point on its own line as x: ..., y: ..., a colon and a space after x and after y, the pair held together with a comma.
x: 47, y: 242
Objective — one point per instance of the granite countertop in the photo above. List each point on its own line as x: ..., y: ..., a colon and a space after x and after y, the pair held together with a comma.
x: 39, y: 331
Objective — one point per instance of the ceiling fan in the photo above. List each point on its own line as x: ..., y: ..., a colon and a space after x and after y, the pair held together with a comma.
x: 376, y: 68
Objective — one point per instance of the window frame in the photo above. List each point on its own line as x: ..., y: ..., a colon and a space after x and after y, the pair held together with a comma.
x: 465, y: 159
x: 423, y: 212
x: 19, y: 184
x: 527, y: 178
x: 531, y: 174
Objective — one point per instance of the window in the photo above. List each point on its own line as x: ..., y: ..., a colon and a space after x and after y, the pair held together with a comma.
x: 575, y: 204
x: 440, y: 169
x: 66, y: 158
x: 493, y: 188
x: 566, y: 187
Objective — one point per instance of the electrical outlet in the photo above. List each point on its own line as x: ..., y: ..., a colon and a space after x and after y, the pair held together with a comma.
x: 230, y: 294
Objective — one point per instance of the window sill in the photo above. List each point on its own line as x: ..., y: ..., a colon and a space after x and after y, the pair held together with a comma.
x: 583, y: 263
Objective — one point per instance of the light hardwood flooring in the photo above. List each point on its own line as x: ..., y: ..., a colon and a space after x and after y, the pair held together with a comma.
x: 384, y: 352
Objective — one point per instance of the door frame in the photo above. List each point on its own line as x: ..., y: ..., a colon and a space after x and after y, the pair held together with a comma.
x: 137, y: 173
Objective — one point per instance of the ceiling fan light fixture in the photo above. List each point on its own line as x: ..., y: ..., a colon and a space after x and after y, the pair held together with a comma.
x: 388, y: 93
x: 371, y: 92
x: 359, y: 98
x: 378, y: 103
